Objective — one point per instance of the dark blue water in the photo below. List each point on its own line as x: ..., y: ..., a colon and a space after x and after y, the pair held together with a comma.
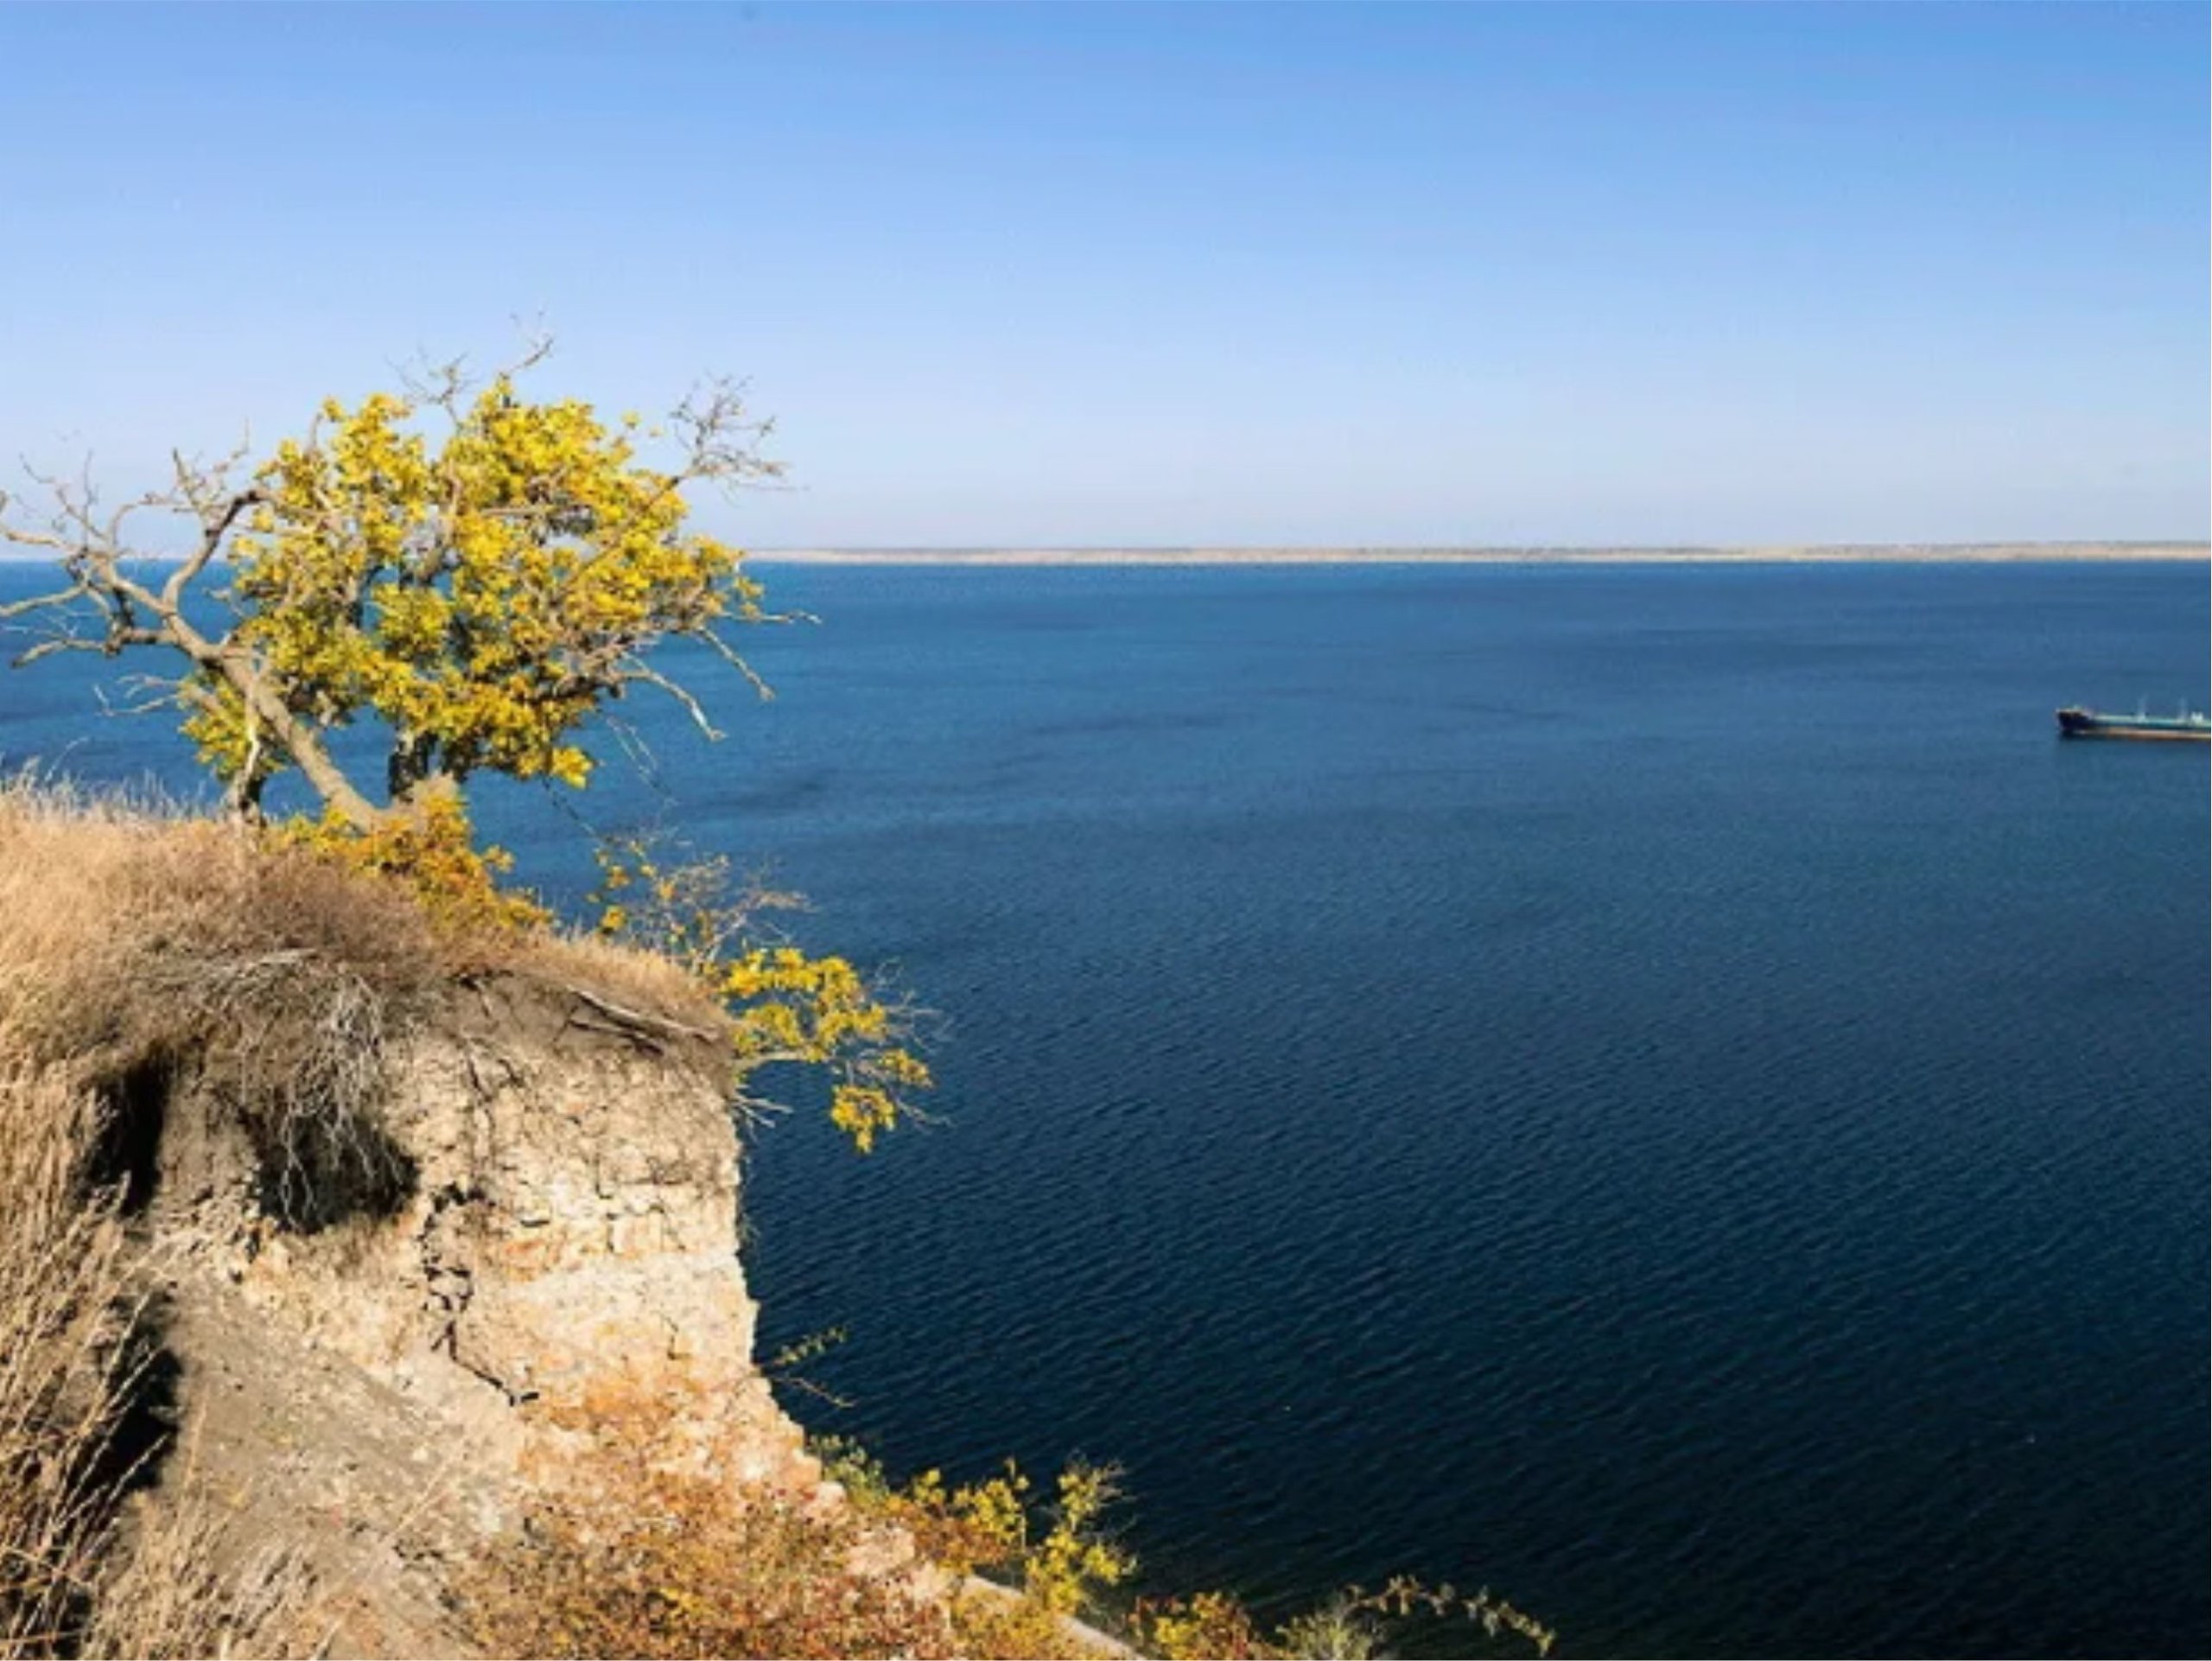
x: 1666, y: 1091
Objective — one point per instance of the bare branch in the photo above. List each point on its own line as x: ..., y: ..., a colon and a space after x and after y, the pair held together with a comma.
x: 635, y: 671
x: 47, y: 648
x: 24, y: 537
x: 730, y: 655
x: 722, y: 441
x: 119, y: 628
x: 113, y: 533
x: 638, y: 753
x: 536, y: 347
x: 60, y: 597
x: 214, y: 527
x: 446, y: 384
x: 160, y: 693
x: 635, y: 1018
x: 440, y: 383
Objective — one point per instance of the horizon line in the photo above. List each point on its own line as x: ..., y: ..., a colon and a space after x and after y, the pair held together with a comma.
x: 2021, y: 551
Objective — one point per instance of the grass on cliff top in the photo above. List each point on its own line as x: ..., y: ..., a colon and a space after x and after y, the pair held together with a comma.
x: 138, y: 943
x: 95, y: 888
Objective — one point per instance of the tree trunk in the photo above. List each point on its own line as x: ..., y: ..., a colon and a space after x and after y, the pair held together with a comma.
x: 245, y: 795
x: 412, y: 764
x: 283, y: 730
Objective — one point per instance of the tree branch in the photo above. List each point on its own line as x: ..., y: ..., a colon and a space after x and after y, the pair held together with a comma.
x: 213, y: 532
x: 39, y: 602
x: 730, y: 655
x: 635, y: 672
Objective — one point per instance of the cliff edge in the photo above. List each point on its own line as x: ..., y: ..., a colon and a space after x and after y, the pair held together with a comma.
x: 563, y: 1254
x: 415, y: 1220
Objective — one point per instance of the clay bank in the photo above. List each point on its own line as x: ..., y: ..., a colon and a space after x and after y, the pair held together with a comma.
x: 410, y: 1238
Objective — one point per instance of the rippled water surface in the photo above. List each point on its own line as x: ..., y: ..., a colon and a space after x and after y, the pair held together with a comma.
x: 1665, y: 1090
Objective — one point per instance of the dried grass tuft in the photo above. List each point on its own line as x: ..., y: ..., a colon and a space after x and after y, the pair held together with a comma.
x: 64, y: 1307
x: 137, y: 942
x: 76, y: 1576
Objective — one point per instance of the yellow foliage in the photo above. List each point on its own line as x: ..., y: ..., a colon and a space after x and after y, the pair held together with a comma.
x: 1074, y: 1559
x: 1209, y: 1627
x: 432, y: 851
x: 1214, y: 1626
x: 1062, y: 1559
x: 785, y: 1005
x: 481, y: 596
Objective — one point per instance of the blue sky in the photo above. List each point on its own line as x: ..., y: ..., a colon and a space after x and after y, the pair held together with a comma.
x: 1053, y: 275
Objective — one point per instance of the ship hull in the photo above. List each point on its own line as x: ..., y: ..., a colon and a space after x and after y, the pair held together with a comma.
x: 2088, y: 723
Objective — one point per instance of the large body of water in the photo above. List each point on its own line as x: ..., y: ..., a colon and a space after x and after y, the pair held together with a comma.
x: 1667, y: 1091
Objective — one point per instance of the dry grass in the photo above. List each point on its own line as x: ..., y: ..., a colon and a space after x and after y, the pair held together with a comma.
x: 64, y: 1309
x: 685, y: 1567
x: 137, y: 943
x: 94, y: 884
x: 77, y: 1575
x: 167, y: 1589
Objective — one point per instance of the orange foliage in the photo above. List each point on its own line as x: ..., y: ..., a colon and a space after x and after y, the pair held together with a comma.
x: 681, y: 1567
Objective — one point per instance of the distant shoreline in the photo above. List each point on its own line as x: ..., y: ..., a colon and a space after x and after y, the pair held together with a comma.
x: 1840, y: 553
x: 1835, y: 554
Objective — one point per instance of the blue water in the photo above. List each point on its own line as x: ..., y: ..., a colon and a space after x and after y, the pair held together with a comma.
x: 1668, y: 1091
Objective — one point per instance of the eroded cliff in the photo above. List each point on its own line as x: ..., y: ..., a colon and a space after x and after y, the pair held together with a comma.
x: 423, y: 1228
x: 370, y: 1286
x: 562, y: 1254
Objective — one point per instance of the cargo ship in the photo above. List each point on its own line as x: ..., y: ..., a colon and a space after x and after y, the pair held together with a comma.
x: 2076, y: 723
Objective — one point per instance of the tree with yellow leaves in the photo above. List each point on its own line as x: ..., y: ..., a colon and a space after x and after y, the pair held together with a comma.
x: 474, y: 574
x: 481, y: 591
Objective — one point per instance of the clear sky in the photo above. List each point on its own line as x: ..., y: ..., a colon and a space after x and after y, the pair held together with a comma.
x: 1167, y: 275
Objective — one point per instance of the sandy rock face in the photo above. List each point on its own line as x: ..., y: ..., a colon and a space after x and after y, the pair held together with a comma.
x: 565, y: 1253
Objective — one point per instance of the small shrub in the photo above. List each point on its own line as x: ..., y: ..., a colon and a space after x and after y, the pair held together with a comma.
x: 678, y: 1566
x: 784, y: 1006
x: 1340, y: 1630
x: 434, y: 853
x: 1205, y: 1627
x: 1059, y: 1555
